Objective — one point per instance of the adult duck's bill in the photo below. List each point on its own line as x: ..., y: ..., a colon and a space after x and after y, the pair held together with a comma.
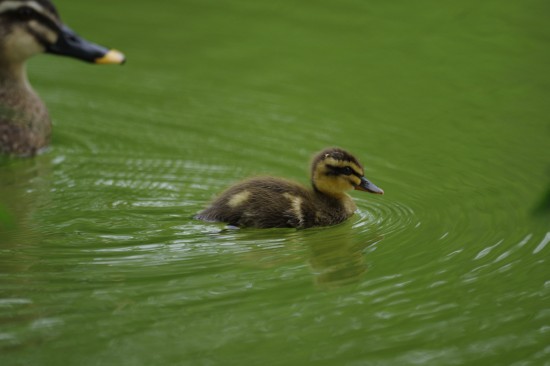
x: 71, y: 44
x: 368, y: 186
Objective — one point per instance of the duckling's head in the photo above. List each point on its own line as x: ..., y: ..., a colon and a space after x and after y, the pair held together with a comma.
x: 335, y: 171
x: 29, y: 27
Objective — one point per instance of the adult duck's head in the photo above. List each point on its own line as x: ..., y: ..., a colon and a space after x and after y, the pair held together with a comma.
x: 29, y: 27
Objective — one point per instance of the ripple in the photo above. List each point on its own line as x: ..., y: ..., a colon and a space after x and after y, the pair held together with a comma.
x: 389, y: 217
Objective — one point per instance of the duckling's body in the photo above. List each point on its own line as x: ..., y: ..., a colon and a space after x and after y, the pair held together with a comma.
x: 274, y: 202
x: 29, y: 27
x: 268, y: 202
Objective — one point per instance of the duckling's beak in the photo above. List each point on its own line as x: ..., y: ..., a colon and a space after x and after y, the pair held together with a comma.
x: 70, y: 44
x: 368, y: 186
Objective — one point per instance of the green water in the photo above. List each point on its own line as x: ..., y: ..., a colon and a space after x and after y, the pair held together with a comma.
x: 447, y: 106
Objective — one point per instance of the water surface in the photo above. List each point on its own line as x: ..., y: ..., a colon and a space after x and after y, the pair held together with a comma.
x: 445, y: 104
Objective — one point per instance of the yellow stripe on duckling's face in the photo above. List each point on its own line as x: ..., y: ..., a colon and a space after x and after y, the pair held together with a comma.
x: 335, y: 186
x: 330, y: 161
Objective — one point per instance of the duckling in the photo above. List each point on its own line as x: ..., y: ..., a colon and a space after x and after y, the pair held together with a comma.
x: 29, y: 27
x: 267, y: 202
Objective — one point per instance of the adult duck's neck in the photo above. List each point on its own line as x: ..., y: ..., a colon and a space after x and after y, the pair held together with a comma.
x: 17, y: 95
x: 25, y: 125
x: 13, y: 76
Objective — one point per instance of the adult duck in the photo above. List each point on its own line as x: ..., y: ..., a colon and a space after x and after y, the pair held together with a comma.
x: 27, y: 28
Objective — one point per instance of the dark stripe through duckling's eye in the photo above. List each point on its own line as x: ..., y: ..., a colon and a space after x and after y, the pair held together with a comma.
x: 347, y: 170
x: 342, y: 170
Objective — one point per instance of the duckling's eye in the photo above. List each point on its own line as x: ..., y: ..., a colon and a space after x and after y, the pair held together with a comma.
x: 347, y: 170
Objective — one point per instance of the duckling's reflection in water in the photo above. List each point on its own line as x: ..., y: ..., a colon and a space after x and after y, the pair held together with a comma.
x: 335, y: 260
x: 339, y: 262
